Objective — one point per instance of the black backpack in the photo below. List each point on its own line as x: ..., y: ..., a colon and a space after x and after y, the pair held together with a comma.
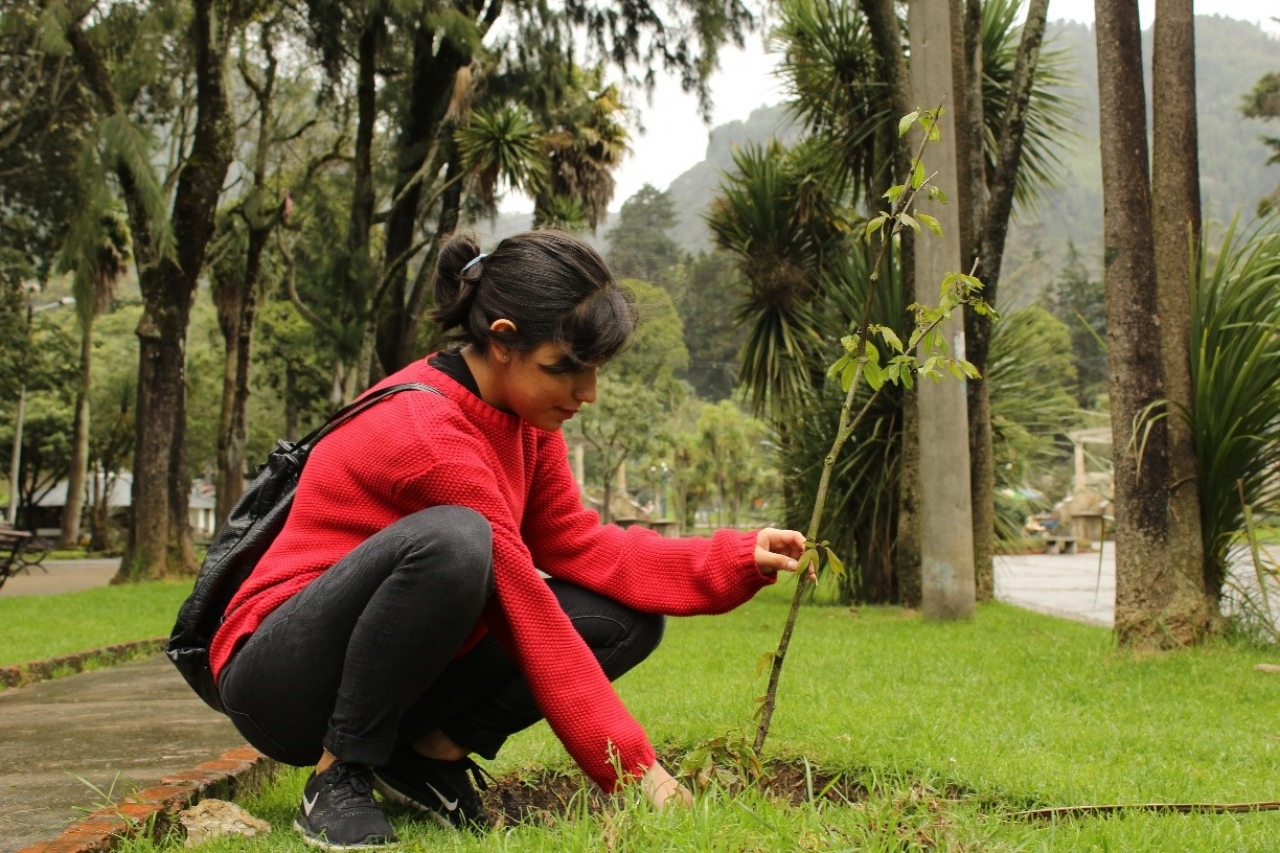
x: 252, y: 526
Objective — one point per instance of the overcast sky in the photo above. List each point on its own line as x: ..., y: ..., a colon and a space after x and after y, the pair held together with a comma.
x: 675, y: 137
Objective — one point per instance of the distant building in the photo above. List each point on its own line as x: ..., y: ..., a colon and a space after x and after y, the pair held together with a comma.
x: 47, y: 512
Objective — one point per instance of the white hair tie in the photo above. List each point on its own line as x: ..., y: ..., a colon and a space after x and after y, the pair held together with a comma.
x: 471, y: 263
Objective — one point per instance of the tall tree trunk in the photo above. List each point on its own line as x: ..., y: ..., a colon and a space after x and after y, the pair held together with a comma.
x: 991, y: 231
x: 435, y: 70
x: 1159, y: 598
x: 886, y: 35
x: 160, y: 537
x: 1175, y: 194
x: 73, y: 506
x: 945, y: 513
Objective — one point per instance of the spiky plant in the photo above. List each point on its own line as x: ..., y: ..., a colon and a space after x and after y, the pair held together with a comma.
x: 1235, y: 374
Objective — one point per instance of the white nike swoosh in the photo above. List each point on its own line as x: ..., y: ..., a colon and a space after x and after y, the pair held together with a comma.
x: 449, y: 806
x: 308, y: 805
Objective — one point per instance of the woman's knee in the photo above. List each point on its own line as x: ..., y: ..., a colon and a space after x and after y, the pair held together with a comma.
x: 455, y: 543
x: 646, y: 634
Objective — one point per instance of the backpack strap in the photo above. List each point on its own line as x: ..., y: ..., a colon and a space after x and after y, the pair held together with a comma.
x: 357, y: 406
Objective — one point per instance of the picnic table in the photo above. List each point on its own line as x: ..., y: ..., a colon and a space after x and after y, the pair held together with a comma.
x: 19, y: 551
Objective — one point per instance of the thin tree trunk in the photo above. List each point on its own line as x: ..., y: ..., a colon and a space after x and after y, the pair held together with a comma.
x: 238, y: 300
x: 1158, y: 602
x: 992, y: 230
x: 73, y: 506
x: 233, y: 434
x: 967, y: 69
x: 1175, y: 194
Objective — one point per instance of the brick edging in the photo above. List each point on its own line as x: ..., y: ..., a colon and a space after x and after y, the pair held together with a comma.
x: 154, y: 810
x: 22, y: 674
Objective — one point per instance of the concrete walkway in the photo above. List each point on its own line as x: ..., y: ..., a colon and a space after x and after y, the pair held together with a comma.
x: 1074, y: 586
x: 69, y: 744
x: 61, y: 576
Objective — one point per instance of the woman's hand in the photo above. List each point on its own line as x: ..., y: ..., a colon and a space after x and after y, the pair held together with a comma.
x: 778, y: 550
x: 662, y: 789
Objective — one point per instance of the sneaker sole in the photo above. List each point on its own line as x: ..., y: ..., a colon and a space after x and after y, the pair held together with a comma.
x: 388, y: 792
x: 324, y: 844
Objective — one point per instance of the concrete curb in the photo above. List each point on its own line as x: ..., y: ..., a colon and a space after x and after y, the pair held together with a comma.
x: 153, y: 811
x: 22, y: 674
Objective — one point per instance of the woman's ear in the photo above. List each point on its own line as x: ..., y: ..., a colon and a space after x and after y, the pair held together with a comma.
x: 501, y: 326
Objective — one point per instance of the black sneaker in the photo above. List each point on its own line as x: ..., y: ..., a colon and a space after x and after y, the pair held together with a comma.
x: 437, y: 788
x: 339, y: 813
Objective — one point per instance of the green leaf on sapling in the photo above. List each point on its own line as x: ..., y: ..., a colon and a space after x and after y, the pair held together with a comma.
x: 849, y: 375
x: 929, y: 222
x: 970, y: 370
x: 834, y: 563
x: 907, y: 220
x: 936, y: 194
x: 840, y: 364
x: 805, y: 561
x: 765, y: 661
x: 875, y: 378
x: 917, y: 176
x: 874, y: 225
x: 890, y: 337
x: 894, y: 191
x: 904, y: 123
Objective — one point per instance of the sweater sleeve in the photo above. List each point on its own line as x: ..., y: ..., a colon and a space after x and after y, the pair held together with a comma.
x: 567, y: 682
x: 636, y: 566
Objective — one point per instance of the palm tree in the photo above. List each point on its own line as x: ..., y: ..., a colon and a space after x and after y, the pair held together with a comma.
x: 585, y: 144
x: 782, y: 221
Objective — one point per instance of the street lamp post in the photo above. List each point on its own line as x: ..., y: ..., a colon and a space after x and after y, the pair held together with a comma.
x: 15, y: 461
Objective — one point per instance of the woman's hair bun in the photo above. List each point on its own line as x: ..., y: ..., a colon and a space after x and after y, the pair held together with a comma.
x: 454, y: 294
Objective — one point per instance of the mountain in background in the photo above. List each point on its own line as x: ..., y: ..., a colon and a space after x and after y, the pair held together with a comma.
x: 1230, y: 57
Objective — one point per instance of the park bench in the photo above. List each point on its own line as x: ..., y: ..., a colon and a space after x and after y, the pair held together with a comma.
x: 19, y: 551
x: 1059, y: 543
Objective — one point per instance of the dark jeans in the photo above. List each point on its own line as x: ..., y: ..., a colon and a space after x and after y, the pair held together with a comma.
x: 362, y: 660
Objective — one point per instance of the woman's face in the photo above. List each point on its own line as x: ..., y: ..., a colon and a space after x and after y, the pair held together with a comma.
x: 524, y: 385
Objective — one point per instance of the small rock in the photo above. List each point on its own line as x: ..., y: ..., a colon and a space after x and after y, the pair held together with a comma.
x: 1266, y: 667
x: 210, y: 819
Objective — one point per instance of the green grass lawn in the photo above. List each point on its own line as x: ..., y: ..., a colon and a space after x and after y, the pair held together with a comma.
x: 38, y: 627
x: 1009, y: 711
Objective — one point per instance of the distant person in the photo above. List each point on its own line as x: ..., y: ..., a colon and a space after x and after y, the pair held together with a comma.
x: 400, y: 622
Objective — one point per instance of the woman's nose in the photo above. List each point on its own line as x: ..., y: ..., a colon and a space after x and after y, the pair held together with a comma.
x: 585, y: 391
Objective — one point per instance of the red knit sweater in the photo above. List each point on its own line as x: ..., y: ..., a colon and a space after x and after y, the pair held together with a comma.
x: 417, y: 450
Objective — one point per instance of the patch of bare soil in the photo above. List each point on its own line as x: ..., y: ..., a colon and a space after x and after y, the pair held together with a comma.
x: 543, y: 798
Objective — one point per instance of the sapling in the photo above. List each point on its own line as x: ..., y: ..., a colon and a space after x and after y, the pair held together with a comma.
x: 924, y: 355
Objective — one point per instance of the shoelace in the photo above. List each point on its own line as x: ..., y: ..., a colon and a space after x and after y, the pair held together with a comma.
x: 478, y: 773
x: 351, y: 783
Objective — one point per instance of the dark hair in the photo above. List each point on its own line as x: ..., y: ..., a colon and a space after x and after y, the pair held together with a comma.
x: 551, y: 285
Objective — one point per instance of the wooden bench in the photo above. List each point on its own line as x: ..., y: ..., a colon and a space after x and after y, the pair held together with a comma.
x: 1059, y: 543
x: 19, y: 551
